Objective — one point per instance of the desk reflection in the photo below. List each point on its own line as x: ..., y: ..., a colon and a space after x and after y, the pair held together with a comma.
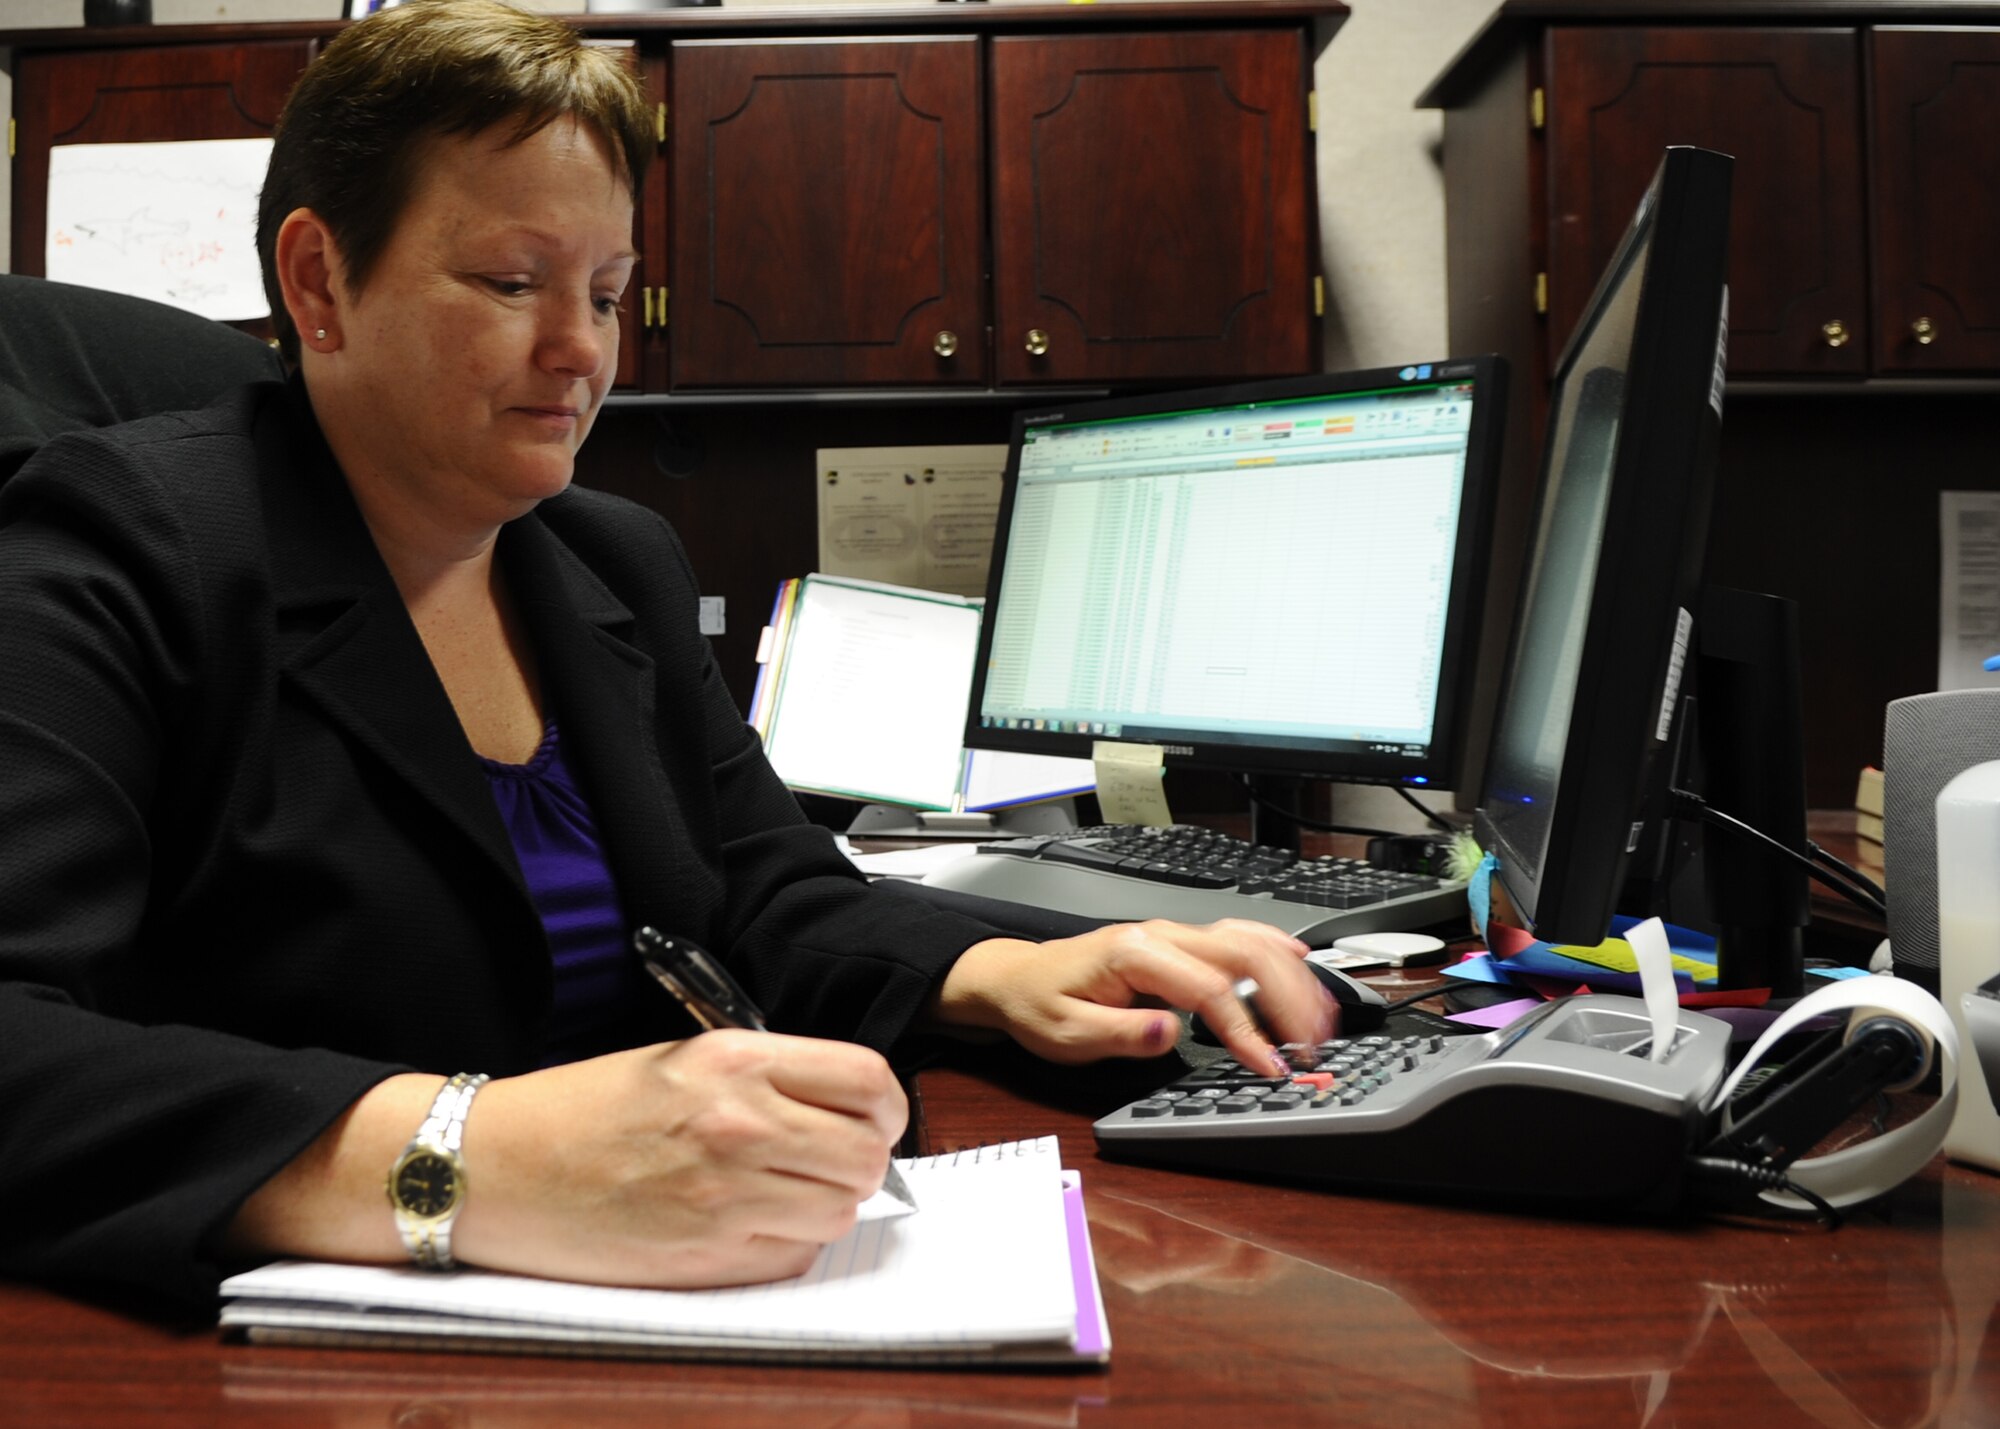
x: 480, y: 1393
x: 1650, y: 1326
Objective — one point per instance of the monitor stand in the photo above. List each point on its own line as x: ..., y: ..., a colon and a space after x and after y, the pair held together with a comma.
x: 893, y: 821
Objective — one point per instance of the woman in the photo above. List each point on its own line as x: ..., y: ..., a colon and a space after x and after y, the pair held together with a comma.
x: 346, y: 743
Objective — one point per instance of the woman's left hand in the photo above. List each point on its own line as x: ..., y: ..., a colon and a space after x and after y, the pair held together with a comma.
x: 1101, y: 994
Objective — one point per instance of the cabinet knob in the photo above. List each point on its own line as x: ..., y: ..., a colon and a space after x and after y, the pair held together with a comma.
x: 1924, y: 331
x: 1836, y: 333
x: 1038, y: 341
x: 945, y: 343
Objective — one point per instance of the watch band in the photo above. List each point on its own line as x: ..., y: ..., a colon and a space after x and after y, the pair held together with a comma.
x: 427, y: 1237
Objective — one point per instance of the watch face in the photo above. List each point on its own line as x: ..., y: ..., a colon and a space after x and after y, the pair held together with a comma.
x: 426, y: 1184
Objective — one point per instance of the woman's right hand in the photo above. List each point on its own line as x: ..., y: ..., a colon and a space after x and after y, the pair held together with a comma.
x: 726, y: 1159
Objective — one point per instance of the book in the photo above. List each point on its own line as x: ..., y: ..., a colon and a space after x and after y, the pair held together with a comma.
x: 1868, y: 806
x: 862, y: 693
x: 994, y: 1268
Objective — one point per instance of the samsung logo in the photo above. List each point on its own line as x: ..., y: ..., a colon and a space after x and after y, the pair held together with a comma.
x: 1187, y: 749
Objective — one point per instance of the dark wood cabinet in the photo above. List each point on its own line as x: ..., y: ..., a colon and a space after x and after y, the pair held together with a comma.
x: 1934, y: 153
x: 1786, y: 104
x: 1148, y: 221
x: 828, y: 213
x: 1867, y: 191
x: 867, y: 197
x: 1148, y: 198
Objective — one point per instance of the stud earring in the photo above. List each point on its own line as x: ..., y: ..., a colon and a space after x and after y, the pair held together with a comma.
x: 319, y: 334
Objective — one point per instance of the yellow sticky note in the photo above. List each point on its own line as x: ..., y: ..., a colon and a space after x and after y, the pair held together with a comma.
x: 1129, y: 790
x: 1616, y: 955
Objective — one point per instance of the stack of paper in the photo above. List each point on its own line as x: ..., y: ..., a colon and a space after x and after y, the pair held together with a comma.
x: 993, y: 1267
x: 863, y: 693
x: 1868, y: 818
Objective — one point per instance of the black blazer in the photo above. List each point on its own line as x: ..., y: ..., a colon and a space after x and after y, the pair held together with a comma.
x: 249, y: 865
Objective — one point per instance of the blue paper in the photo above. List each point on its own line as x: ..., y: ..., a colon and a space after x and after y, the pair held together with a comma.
x: 1477, y: 967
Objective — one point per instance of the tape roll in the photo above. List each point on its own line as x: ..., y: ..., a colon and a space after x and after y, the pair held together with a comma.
x: 1864, y: 1016
x: 1858, y: 1173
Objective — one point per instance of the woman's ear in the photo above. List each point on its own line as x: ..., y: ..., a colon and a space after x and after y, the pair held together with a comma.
x: 306, y: 261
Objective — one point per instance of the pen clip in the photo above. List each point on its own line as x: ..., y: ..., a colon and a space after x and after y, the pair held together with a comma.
x: 699, y: 983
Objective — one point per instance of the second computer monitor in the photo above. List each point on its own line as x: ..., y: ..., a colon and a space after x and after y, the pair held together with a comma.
x: 1603, y: 634
x: 1277, y: 577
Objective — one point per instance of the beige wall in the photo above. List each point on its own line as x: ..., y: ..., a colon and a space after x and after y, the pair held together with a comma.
x: 1381, y: 196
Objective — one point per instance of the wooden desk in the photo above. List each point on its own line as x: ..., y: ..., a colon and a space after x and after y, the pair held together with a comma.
x: 1226, y: 1300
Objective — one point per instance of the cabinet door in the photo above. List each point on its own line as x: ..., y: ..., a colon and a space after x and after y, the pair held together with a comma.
x: 1785, y: 103
x: 1151, y: 202
x: 229, y: 91
x: 827, y: 213
x: 1935, y: 160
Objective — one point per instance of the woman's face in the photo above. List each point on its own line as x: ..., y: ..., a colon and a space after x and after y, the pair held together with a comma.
x: 470, y: 368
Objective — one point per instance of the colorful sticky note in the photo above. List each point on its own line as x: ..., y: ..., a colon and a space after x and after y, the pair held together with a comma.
x: 1477, y: 967
x: 1499, y: 1015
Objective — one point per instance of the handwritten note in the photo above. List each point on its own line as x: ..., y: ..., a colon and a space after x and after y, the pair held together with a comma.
x: 1129, y: 790
x: 174, y: 222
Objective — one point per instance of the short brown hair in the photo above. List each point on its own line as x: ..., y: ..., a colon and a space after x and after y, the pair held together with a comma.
x: 353, y: 132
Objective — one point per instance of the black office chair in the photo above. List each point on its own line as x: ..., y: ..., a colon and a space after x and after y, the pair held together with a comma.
x: 73, y: 357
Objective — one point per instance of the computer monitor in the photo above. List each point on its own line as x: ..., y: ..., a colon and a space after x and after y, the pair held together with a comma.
x: 1271, y: 578
x: 1602, y: 634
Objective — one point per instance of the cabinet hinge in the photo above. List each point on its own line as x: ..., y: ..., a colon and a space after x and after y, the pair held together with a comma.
x: 1541, y: 292
x: 1319, y: 296
x: 1538, y: 108
x: 1312, y: 111
x: 660, y: 122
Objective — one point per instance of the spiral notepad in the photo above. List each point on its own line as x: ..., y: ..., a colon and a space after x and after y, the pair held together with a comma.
x: 1005, y: 1218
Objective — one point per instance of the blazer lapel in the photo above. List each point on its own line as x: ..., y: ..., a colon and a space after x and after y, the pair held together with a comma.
x: 601, y: 690
x: 346, y: 640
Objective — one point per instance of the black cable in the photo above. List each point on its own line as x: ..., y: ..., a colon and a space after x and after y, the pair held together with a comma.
x: 1849, y: 869
x: 1695, y: 804
x: 1762, y: 1178
x: 1430, y: 815
x: 1435, y: 990
x: 1859, y: 882
x: 1305, y: 822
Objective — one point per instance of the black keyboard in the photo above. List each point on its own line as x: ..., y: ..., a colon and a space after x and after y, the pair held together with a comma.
x: 1196, y: 875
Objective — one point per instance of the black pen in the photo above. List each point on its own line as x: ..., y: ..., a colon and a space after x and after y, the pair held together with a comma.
x: 704, y: 987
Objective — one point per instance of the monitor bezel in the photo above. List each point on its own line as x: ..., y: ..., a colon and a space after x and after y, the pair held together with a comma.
x: 1649, y: 562
x: 1445, y: 757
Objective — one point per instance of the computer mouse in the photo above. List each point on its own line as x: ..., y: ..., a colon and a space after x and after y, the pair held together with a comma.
x: 1362, y: 1008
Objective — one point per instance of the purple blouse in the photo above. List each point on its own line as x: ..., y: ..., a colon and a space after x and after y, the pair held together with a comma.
x: 597, y: 978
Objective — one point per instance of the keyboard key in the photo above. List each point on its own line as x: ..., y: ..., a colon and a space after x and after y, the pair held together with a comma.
x: 1194, y: 1106
x: 1152, y: 1106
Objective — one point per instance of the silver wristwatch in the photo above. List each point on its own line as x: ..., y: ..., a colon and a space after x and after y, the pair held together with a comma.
x: 427, y: 1183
